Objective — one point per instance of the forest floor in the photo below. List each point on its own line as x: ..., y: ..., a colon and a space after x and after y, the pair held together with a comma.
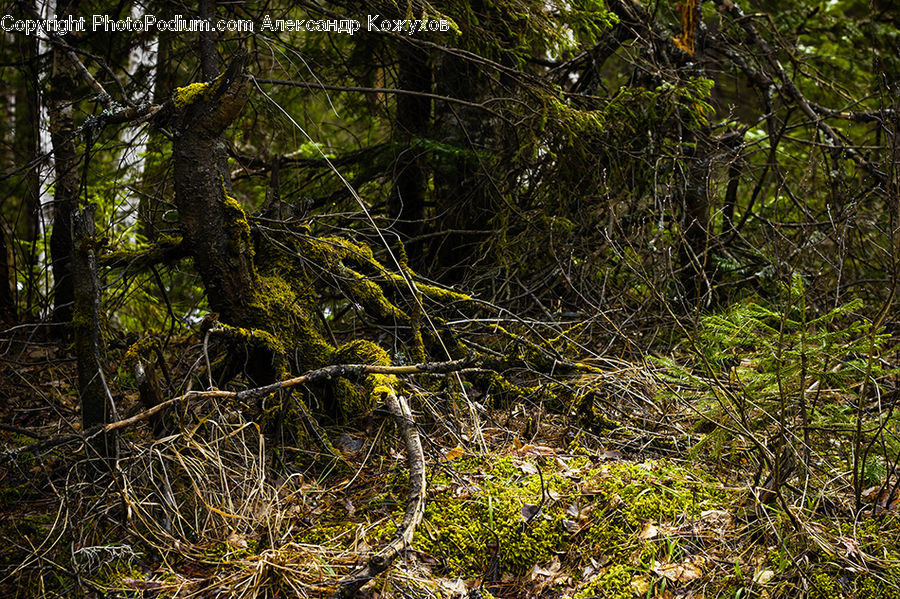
x: 540, y: 496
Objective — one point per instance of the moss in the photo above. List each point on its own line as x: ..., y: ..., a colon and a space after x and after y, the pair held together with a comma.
x: 237, y: 224
x: 632, y: 495
x: 350, y: 400
x: 587, y: 405
x: 257, y: 337
x: 614, y: 583
x: 868, y: 586
x: 370, y: 295
x: 113, y: 574
x: 140, y: 349
x: 443, y: 296
x: 282, y: 310
x: 189, y: 94
x: 361, y: 351
x: 824, y: 585
x: 469, y: 531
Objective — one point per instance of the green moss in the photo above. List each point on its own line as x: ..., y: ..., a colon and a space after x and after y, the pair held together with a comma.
x: 468, y: 530
x: 614, y: 583
x: 113, y: 573
x: 887, y: 586
x: 824, y: 585
x: 257, y: 337
x: 441, y: 295
x: 361, y: 351
x: 140, y: 349
x: 370, y: 295
x: 239, y: 217
x: 287, y: 314
x: 238, y: 227
x: 189, y: 94
x: 350, y: 400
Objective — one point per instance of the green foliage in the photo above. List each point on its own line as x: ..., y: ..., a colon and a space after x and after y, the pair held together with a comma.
x: 784, y: 350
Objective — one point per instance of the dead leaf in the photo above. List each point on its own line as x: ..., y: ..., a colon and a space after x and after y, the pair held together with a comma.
x: 640, y: 585
x: 716, y: 518
x: 551, y: 568
x: 348, y: 444
x: 537, y: 450
x: 455, y: 453
x: 852, y: 547
x: 649, y: 531
x: 529, y: 511
x: 142, y: 585
x: 683, y: 572
x: 427, y: 559
x: 578, y: 512
x: 456, y: 588
x: 763, y: 576
x: 528, y: 468
x: 570, y: 526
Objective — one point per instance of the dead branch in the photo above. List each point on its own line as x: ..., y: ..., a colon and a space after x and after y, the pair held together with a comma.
x: 790, y: 90
x: 352, y: 371
x: 415, y: 502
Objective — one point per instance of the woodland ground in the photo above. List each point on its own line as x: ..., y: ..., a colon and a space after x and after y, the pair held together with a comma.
x: 598, y: 488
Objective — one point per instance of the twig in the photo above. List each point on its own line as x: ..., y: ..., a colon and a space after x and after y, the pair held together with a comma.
x: 313, y: 376
x: 415, y: 502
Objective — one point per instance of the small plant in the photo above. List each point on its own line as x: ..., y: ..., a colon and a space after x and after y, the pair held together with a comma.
x: 786, y: 382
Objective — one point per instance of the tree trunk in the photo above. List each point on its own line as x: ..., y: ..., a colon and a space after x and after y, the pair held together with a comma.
x: 65, y: 196
x: 25, y: 151
x: 150, y: 205
x: 86, y: 329
x: 407, y: 200
x: 7, y: 301
x: 462, y: 200
x: 695, y: 270
x: 213, y: 223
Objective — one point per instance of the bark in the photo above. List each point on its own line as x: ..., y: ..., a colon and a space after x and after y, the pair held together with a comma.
x: 150, y: 208
x: 96, y: 402
x: 150, y: 394
x: 214, y: 227
x: 695, y: 205
x: 209, y: 58
x: 25, y: 151
x: 461, y: 194
x: 65, y: 196
x: 407, y: 201
x: 415, y: 502
x: 7, y: 301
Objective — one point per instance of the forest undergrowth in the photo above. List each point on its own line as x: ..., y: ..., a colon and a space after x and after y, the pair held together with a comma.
x: 755, y: 458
